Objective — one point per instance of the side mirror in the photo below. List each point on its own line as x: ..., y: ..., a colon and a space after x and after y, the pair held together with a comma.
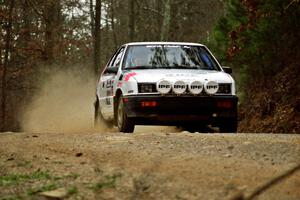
x: 227, y: 70
x: 111, y: 70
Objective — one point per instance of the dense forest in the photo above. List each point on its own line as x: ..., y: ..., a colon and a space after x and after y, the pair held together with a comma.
x: 258, y: 39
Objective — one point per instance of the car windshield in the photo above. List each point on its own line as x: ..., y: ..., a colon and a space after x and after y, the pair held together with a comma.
x: 168, y: 57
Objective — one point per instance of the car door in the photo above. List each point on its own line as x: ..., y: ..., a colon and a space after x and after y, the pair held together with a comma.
x: 107, y: 85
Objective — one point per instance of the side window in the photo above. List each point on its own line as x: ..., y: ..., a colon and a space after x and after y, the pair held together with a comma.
x: 111, y: 60
x: 117, y: 58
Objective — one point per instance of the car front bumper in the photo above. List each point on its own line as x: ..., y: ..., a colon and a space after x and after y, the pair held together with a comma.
x: 176, y: 110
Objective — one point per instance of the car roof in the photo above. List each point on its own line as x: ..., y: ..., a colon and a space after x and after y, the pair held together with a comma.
x: 164, y: 43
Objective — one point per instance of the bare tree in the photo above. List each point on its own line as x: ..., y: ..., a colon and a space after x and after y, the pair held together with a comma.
x: 97, y: 37
x: 7, y: 53
x: 112, y: 4
x: 166, y: 21
x: 52, y: 22
x: 131, y: 22
x: 92, y: 16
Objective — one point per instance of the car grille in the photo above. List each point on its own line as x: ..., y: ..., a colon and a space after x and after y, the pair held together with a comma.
x: 224, y: 88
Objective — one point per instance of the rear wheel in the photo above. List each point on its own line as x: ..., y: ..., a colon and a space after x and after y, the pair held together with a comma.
x: 229, y: 126
x: 124, y: 123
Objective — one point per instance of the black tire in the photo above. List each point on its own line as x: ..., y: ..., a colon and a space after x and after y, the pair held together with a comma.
x: 124, y: 123
x: 229, y: 126
x: 99, y: 121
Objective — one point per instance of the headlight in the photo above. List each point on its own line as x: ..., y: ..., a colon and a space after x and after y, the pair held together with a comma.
x: 163, y: 86
x: 146, y: 88
x: 211, y: 87
x: 179, y: 87
x: 224, y: 88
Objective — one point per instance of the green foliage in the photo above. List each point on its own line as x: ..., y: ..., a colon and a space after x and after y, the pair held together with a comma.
x: 233, y: 17
x: 72, y: 190
x: 108, y: 182
x: 36, y: 182
x: 266, y: 34
x: 44, y: 188
x: 15, y: 179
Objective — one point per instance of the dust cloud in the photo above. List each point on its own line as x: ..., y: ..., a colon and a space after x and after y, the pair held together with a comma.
x: 63, y: 104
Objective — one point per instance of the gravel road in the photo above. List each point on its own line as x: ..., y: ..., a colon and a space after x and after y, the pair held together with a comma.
x: 152, y: 163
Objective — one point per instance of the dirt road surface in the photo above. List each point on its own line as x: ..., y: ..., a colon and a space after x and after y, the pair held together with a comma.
x: 155, y: 163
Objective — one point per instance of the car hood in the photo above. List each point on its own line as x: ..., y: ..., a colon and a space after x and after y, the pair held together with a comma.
x: 150, y: 75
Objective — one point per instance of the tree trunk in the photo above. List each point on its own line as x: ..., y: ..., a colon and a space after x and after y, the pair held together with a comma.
x: 97, y: 38
x: 5, y: 64
x: 113, y: 24
x: 131, y: 22
x: 158, y: 19
x: 27, y: 19
x: 92, y: 15
x: 25, y: 28
x: 166, y: 22
x: 53, y: 17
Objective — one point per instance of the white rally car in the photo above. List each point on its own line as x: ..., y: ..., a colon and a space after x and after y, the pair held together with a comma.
x: 166, y: 83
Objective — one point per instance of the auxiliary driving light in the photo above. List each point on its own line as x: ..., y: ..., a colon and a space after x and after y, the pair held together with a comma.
x: 195, y: 87
x: 211, y: 87
x: 163, y: 86
x: 179, y: 87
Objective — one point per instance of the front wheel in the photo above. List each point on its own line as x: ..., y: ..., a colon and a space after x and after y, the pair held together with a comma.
x: 124, y: 123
